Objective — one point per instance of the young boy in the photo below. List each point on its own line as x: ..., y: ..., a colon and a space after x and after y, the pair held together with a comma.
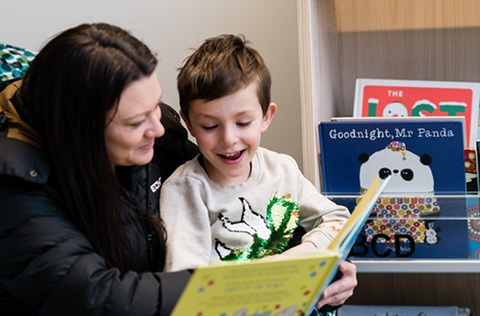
x: 236, y: 200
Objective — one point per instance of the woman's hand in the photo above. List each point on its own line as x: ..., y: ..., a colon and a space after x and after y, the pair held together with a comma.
x: 340, y: 290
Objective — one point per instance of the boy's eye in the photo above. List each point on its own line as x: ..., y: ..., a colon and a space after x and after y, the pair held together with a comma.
x: 244, y: 123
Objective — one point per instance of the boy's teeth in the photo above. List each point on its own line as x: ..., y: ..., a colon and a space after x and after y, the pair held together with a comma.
x: 233, y: 155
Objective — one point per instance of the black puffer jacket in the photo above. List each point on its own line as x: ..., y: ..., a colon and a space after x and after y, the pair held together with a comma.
x: 47, y: 266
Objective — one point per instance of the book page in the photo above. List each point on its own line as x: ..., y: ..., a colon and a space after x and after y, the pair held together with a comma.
x: 345, y: 239
x: 287, y: 286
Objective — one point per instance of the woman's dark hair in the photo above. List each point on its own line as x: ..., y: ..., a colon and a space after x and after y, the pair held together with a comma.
x: 70, y: 86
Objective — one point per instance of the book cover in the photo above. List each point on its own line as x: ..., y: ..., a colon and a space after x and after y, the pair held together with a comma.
x: 473, y: 213
x: 287, y: 286
x: 409, y: 220
x: 400, y: 98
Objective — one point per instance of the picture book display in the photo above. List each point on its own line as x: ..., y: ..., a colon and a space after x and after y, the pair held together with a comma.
x: 288, y: 286
x: 410, y: 219
x: 401, y: 98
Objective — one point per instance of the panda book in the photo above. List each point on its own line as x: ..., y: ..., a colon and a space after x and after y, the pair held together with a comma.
x: 422, y: 211
x: 420, y: 98
x: 284, y: 285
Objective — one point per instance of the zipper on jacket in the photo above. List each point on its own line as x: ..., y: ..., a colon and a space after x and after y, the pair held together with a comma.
x: 3, y: 124
x: 150, y: 250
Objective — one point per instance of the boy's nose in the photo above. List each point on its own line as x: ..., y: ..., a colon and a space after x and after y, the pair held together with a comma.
x: 229, y: 137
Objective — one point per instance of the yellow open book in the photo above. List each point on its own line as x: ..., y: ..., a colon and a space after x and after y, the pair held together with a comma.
x: 283, y: 287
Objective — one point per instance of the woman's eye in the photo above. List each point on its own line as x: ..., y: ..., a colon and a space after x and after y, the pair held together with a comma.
x: 137, y: 124
x: 209, y: 127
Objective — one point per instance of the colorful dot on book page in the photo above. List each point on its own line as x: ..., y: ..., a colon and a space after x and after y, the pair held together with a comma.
x: 201, y: 289
x: 307, y: 292
x: 223, y: 314
x: 210, y: 282
x: 313, y: 274
x: 476, y: 255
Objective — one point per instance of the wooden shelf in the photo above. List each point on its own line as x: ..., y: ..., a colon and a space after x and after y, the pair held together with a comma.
x: 417, y: 266
x: 342, y: 40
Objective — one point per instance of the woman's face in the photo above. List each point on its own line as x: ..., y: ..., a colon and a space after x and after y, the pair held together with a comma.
x: 132, y: 129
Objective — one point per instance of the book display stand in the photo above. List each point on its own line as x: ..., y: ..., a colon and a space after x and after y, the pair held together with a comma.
x: 343, y: 40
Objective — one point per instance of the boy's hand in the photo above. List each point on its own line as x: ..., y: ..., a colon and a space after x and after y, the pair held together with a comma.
x: 340, y: 290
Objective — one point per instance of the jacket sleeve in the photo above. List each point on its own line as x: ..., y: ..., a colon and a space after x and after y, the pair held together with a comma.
x: 49, y: 267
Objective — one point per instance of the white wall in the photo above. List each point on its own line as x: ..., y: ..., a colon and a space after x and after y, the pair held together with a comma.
x: 172, y: 28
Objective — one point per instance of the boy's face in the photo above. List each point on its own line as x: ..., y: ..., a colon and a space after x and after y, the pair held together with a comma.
x: 228, y: 132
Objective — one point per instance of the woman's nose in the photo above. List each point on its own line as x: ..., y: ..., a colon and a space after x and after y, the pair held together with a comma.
x: 156, y: 128
x: 159, y: 129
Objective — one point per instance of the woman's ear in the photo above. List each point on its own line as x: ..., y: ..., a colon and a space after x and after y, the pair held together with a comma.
x: 268, y: 117
x: 187, y: 123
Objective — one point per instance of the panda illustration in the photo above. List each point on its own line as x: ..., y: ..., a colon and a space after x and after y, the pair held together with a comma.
x: 404, y: 214
x: 410, y: 172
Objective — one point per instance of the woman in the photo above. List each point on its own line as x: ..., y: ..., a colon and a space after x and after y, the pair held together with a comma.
x: 89, y: 101
x: 79, y: 226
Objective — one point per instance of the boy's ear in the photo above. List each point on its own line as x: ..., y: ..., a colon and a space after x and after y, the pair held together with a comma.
x: 186, y: 123
x: 268, y: 117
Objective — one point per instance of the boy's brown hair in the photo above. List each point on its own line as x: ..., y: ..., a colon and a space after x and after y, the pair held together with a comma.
x: 221, y: 66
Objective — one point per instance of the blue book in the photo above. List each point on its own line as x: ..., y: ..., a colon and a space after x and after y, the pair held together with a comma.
x: 425, y: 159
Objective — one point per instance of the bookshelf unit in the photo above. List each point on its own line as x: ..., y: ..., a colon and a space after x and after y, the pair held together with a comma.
x: 342, y: 40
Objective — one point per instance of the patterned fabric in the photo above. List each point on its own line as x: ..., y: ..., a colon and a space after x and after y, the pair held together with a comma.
x: 408, y: 215
x: 13, y: 61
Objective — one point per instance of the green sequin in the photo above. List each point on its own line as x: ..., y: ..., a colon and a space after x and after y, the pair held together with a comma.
x: 281, y: 219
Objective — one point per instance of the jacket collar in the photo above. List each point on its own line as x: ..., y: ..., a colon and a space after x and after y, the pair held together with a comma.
x: 22, y: 156
x: 17, y: 127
